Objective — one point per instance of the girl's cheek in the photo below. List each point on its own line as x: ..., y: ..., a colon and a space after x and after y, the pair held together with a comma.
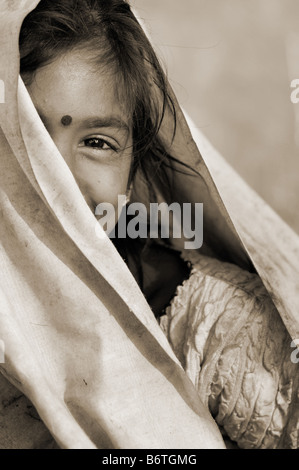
x: 101, y: 184
x: 102, y: 181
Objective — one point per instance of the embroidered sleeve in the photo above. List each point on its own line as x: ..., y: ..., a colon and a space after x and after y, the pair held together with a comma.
x: 229, y: 337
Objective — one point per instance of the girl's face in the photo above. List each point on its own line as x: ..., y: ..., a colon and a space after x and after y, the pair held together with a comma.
x: 96, y: 142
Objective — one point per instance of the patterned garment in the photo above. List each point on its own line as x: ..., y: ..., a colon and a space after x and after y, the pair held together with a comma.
x: 230, y: 339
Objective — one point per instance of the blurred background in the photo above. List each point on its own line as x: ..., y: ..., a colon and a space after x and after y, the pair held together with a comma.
x: 231, y: 64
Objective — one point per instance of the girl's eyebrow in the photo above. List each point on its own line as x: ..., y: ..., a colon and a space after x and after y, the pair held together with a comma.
x: 107, y: 121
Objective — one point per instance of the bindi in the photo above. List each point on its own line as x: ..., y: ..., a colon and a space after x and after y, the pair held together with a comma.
x: 66, y: 120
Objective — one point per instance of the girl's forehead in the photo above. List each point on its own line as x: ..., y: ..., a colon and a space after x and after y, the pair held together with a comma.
x: 72, y: 85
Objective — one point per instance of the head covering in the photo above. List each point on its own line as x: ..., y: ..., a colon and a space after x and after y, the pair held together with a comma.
x: 80, y: 340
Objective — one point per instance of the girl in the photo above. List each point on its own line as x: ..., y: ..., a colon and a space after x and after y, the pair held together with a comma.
x: 102, y: 96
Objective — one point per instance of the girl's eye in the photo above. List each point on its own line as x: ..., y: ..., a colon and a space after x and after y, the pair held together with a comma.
x: 97, y: 143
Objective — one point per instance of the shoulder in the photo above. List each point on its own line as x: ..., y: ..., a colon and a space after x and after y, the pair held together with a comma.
x: 217, y: 299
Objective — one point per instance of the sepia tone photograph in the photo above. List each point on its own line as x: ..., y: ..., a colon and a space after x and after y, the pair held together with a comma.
x: 149, y: 230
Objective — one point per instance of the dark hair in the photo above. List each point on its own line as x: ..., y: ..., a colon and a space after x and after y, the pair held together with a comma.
x: 111, y: 31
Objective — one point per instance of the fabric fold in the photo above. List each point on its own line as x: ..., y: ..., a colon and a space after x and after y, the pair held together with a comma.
x: 81, y: 342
